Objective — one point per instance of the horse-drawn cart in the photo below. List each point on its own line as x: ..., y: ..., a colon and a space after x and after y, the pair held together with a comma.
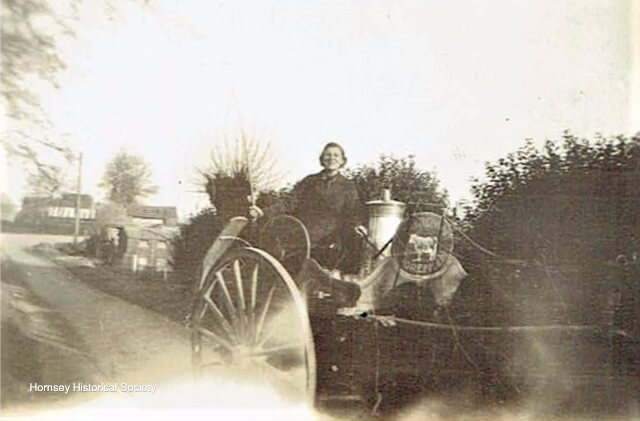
x: 271, y: 313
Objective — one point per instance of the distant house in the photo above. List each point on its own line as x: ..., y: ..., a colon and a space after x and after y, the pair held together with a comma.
x: 153, y: 215
x: 148, y: 248
x: 56, y: 212
x: 33, y: 210
x: 142, y: 238
x: 65, y: 207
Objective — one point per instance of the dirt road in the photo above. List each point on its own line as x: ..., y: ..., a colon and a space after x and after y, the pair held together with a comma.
x: 118, y: 342
x: 58, y: 331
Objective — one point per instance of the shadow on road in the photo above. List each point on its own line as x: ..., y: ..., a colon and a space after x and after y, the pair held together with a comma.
x: 39, y: 347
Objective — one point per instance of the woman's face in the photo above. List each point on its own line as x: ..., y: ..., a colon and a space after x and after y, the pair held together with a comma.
x: 332, y: 158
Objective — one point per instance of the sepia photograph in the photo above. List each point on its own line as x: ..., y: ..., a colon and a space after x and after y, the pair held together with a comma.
x: 320, y: 210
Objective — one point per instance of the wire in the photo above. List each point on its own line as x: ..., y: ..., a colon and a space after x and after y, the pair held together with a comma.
x: 525, y: 328
x: 374, y: 410
x: 458, y: 343
x: 470, y: 240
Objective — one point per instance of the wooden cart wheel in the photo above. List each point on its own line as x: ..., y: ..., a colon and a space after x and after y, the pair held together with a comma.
x: 286, y: 238
x: 251, y: 319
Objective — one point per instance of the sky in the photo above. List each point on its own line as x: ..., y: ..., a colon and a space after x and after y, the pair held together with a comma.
x: 454, y: 83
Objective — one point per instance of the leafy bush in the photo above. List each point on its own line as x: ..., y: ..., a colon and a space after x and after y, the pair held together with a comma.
x: 196, y: 236
x: 570, y: 203
x: 406, y: 181
x: 228, y: 195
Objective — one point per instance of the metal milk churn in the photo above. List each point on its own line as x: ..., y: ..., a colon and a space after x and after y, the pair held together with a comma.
x: 384, y: 218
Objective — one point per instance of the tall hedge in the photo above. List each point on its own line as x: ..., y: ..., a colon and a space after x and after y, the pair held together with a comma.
x: 570, y: 201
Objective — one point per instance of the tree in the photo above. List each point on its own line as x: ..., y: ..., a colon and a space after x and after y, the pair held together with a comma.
x: 189, y: 247
x: 244, y: 157
x: 571, y: 202
x: 406, y: 181
x: 236, y: 170
x: 46, y: 182
x: 7, y: 207
x: 545, y: 232
x: 127, y: 178
x: 29, y: 52
x: 31, y: 60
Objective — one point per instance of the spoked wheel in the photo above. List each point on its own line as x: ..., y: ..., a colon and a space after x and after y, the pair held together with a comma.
x: 286, y: 238
x: 250, y: 319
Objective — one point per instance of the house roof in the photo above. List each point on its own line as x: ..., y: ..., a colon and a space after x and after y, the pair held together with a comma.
x: 32, y: 201
x: 66, y: 200
x: 162, y: 233
x: 152, y: 212
x: 69, y: 199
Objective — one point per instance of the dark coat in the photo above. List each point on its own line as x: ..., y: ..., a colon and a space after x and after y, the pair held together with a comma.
x: 330, y: 208
x: 327, y: 204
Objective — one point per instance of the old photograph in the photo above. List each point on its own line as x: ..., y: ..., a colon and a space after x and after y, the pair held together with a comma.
x: 321, y: 210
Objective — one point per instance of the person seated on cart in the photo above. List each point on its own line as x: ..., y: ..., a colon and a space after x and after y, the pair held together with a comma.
x: 329, y: 206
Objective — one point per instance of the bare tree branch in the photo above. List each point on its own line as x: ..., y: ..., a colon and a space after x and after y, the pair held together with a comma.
x: 245, y: 156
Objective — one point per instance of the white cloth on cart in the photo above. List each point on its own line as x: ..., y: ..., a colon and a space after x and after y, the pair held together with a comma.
x: 388, y: 275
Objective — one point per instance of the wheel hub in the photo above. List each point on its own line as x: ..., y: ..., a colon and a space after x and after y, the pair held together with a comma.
x: 243, y: 355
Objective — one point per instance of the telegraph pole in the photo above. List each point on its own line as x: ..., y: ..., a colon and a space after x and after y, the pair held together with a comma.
x: 76, y: 231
